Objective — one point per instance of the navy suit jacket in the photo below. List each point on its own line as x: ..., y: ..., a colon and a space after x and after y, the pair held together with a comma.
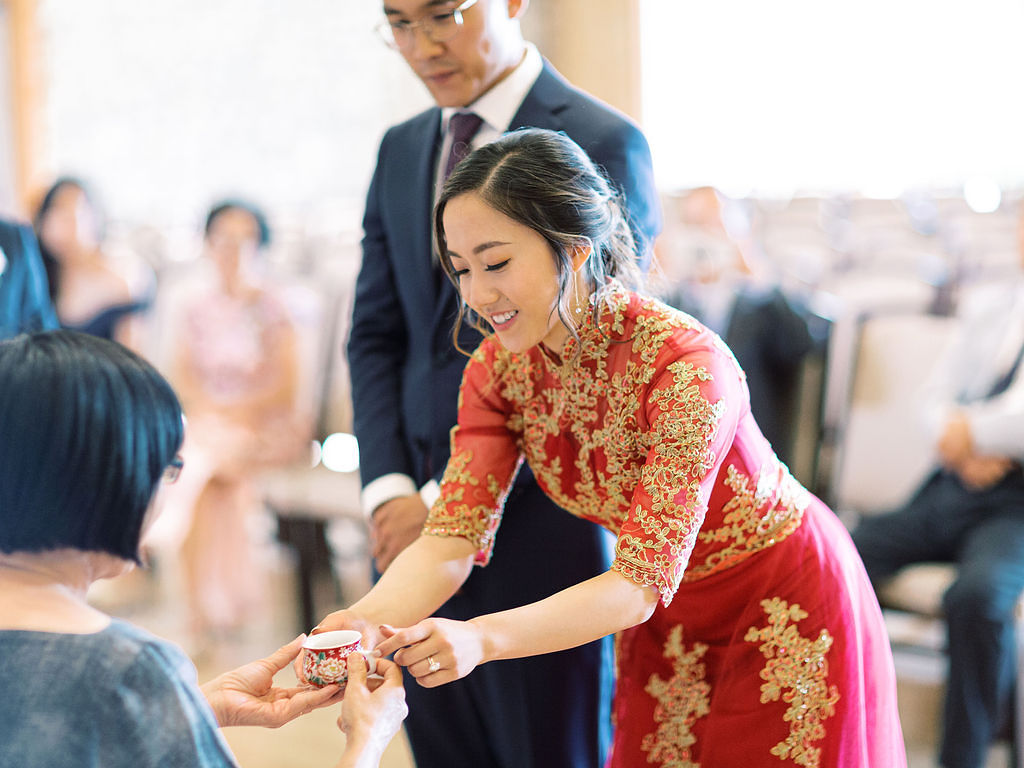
x: 405, y: 370
x: 24, y: 299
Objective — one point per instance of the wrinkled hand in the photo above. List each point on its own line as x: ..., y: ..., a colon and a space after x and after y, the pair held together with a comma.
x: 373, y: 710
x: 396, y: 524
x: 982, y: 472
x: 955, y: 444
x: 247, y: 696
x: 457, y: 646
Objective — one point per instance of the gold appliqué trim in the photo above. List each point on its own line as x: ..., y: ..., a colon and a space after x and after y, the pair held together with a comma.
x: 755, y: 518
x: 796, y: 672
x: 680, y: 444
x: 453, y: 514
x: 682, y: 700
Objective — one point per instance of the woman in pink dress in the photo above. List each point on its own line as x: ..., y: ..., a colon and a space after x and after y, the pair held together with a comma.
x: 236, y: 368
x: 748, y: 632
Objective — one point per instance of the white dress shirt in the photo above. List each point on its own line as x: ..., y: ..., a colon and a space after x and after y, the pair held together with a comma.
x: 989, y: 338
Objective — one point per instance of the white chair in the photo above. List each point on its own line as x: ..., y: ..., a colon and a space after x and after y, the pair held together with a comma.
x: 883, y: 451
x: 854, y: 299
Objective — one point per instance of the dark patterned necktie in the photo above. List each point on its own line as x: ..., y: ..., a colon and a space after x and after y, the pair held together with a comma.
x: 1004, y: 381
x: 462, y: 127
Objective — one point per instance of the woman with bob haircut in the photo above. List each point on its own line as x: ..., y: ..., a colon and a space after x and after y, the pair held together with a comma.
x: 747, y: 630
x: 88, y: 430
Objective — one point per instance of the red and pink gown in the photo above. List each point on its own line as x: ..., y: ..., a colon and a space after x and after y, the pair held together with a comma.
x: 767, y: 647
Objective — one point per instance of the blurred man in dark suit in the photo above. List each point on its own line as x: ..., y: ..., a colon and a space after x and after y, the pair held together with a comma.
x: 24, y: 299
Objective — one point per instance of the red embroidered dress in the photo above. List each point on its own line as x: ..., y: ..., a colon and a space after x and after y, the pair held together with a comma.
x: 768, y: 646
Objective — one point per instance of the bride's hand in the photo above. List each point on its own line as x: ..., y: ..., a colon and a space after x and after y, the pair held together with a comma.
x: 435, y: 651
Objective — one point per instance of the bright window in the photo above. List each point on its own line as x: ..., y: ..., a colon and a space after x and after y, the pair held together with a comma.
x: 821, y: 95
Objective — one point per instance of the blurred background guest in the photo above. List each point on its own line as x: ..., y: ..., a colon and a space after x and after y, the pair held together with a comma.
x: 24, y: 300
x: 88, y: 292
x: 236, y: 368
x: 970, y: 511
x: 712, y: 271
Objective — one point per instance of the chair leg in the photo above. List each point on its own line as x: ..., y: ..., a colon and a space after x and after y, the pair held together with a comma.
x: 307, y: 537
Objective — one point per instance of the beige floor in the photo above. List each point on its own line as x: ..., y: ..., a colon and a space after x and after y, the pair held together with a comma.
x: 155, y: 603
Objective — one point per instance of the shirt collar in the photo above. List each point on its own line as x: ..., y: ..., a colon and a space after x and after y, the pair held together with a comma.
x: 499, y: 104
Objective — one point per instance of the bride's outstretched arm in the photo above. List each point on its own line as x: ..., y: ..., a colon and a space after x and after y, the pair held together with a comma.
x: 437, y: 651
x: 416, y: 584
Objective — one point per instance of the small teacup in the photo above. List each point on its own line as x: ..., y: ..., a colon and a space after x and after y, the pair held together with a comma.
x: 325, y: 657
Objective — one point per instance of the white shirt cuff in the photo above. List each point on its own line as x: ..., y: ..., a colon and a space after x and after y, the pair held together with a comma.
x: 386, y: 488
x: 430, y: 493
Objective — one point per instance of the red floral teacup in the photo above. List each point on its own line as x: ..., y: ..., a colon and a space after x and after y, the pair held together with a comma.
x: 325, y: 656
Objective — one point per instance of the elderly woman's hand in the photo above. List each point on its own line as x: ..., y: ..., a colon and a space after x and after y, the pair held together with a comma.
x: 372, y: 712
x: 247, y: 696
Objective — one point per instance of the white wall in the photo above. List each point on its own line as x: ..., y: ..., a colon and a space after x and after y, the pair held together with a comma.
x: 166, y: 104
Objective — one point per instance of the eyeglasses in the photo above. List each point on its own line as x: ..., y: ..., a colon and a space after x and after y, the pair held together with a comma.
x: 173, y: 470
x: 437, y: 27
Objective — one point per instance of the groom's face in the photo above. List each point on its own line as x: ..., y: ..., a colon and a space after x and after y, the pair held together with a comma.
x: 485, y: 48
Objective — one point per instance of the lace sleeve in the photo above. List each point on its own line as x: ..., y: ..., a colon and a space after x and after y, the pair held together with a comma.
x: 484, y: 460
x: 692, y: 409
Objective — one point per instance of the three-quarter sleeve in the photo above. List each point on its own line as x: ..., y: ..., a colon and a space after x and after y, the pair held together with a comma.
x: 692, y: 409
x: 484, y: 459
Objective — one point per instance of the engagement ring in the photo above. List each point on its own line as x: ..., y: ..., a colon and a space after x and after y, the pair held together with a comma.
x: 432, y: 664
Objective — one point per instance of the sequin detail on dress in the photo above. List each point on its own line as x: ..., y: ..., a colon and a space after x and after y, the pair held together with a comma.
x: 682, y: 700
x: 796, y: 672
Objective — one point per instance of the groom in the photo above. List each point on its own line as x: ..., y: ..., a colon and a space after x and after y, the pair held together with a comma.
x: 548, y: 711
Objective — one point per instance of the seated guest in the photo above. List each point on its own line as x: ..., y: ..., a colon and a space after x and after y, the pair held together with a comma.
x: 970, y: 512
x: 24, y: 301
x: 236, y: 366
x: 89, y: 431
x: 88, y: 293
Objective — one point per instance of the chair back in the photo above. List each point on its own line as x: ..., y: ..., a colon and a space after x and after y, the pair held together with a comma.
x: 885, y: 450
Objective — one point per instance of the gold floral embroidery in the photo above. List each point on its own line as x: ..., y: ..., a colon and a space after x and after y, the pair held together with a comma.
x: 754, y: 518
x: 622, y: 434
x: 622, y: 465
x: 796, y: 672
x: 680, y: 442
x: 453, y: 515
x: 682, y: 700
x: 596, y: 408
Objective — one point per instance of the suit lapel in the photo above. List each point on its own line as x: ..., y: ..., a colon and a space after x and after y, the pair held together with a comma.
x: 413, y: 194
x: 544, y: 103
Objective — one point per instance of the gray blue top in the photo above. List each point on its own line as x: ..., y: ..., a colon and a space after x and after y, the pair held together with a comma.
x: 118, y: 698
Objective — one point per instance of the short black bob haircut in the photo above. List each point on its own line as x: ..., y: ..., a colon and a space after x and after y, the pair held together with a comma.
x: 237, y: 204
x: 87, y: 429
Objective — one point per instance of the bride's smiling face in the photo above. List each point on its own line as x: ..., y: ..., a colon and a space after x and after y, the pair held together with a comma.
x: 506, y: 272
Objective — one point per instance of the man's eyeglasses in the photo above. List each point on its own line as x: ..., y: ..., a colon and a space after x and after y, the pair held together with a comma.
x: 437, y: 27
x: 173, y: 471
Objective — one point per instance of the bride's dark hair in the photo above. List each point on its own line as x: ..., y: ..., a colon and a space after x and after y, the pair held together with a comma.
x: 545, y: 181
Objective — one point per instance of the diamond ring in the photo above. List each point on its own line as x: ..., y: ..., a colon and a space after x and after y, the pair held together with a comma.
x: 432, y: 664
